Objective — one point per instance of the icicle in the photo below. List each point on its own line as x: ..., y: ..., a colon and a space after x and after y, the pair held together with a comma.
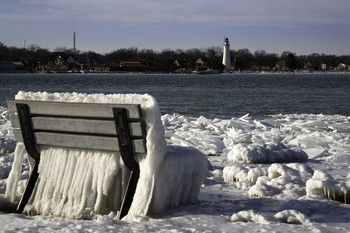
x: 77, y: 185
x: 345, y: 192
x: 15, y: 174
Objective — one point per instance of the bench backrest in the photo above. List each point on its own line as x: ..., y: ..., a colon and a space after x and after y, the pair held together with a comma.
x: 79, y: 125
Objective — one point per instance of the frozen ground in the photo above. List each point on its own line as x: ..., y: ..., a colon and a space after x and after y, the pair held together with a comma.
x: 274, y: 174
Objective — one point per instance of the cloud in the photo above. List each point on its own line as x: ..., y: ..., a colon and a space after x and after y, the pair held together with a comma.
x: 156, y: 12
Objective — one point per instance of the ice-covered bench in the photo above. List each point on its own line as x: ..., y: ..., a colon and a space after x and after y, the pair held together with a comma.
x: 95, y: 154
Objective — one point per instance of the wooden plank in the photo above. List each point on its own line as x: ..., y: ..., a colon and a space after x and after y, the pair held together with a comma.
x: 79, y: 125
x: 75, y: 109
x: 82, y: 141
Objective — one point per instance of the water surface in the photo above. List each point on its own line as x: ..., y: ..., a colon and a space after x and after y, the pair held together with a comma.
x: 213, y: 96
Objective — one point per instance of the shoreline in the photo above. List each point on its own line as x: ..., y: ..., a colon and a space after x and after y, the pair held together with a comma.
x: 174, y: 73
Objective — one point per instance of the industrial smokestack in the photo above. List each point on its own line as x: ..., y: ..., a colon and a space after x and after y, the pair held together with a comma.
x: 74, y: 43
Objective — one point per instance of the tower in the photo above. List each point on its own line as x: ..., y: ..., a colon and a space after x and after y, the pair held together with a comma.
x: 226, y: 60
x: 74, y: 43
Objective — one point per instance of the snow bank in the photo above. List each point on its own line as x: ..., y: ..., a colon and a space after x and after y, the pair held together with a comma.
x: 82, y: 183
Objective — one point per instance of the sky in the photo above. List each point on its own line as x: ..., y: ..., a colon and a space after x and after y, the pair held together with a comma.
x: 299, y: 26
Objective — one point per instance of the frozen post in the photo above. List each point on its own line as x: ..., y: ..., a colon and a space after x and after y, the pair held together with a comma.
x: 226, y: 60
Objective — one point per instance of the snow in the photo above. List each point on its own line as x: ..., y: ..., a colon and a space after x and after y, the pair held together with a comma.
x: 302, y: 186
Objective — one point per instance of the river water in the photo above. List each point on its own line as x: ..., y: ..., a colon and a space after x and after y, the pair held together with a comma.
x: 214, y: 96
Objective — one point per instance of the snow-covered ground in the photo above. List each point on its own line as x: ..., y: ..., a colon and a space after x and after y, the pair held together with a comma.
x: 274, y: 174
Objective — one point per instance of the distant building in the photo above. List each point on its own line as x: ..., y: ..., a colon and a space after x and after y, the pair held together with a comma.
x: 181, y: 66
x: 226, y: 60
x: 58, y: 66
x: 324, y: 67
x: 6, y: 66
x: 342, y: 67
x: 131, y: 64
x: 201, y: 65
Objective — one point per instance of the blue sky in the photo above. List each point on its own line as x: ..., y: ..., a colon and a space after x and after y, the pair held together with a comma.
x: 300, y: 26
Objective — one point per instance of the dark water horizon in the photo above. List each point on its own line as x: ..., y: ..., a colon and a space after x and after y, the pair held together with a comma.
x: 214, y: 96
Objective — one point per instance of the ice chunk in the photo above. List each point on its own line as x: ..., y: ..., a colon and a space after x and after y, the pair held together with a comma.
x: 235, y: 173
x: 325, y: 185
x: 247, y: 154
x: 254, y: 173
x: 262, y: 189
x: 250, y: 216
x: 276, y: 170
x: 314, y: 125
x: 292, y: 216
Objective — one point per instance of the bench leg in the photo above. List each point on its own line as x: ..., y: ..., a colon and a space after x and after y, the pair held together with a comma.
x: 127, y: 154
x: 29, y: 188
x: 129, y: 193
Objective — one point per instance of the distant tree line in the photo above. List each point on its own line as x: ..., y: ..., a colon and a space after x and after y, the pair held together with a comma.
x: 242, y: 59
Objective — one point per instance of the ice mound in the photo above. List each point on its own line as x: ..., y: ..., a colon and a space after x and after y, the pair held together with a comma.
x: 82, y: 183
x: 269, y: 153
x: 292, y: 216
x: 275, y: 180
x: 323, y: 184
x: 285, y: 216
x: 250, y: 216
x: 281, y: 179
x: 235, y: 173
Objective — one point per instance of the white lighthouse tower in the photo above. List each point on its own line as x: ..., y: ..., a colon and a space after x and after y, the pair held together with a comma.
x: 226, y: 60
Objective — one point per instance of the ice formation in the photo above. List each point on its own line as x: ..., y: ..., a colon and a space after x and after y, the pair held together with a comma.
x: 269, y: 153
x: 80, y: 183
x: 324, y: 184
x: 292, y: 216
x: 250, y: 216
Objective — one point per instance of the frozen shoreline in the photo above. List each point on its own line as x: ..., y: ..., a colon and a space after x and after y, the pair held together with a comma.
x: 237, y: 195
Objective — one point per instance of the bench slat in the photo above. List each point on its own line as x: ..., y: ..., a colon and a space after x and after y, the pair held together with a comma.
x: 75, y: 109
x: 79, y: 125
x: 81, y: 141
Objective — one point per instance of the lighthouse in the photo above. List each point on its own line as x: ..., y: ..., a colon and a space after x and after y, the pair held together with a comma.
x: 226, y: 60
